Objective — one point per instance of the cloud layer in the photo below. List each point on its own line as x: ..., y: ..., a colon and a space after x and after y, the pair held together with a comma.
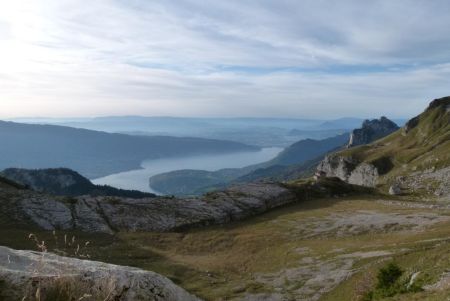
x: 223, y: 58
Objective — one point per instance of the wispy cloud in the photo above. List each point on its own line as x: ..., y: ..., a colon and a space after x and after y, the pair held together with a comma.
x: 222, y: 58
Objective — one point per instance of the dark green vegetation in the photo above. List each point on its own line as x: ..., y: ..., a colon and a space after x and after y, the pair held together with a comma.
x: 297, y: 160
x: 390, y: 283
x: 95, y: 154
x: 63, y: 181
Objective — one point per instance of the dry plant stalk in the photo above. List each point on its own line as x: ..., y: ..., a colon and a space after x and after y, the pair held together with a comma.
x: 63, y: 286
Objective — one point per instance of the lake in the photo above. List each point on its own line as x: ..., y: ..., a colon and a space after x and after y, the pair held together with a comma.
x: 139, y: 179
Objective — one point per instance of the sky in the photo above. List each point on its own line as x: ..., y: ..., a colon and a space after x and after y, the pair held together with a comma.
x: 234, y: 58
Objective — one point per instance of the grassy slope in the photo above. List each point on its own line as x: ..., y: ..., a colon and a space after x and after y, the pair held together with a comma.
x: 223, y: 263
x: 425, y: 146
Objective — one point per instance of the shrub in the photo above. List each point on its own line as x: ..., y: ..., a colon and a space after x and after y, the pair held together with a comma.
x: 388, y: 276
x: 389, y: 283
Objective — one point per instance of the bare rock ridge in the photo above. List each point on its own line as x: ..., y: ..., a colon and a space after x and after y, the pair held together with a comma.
x: 372, y: 130
x: 20, y: 269
x: 22, y: 208
x: 111, y: 214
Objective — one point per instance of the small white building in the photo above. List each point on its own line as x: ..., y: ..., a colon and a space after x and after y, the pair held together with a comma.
x: 320, y: 174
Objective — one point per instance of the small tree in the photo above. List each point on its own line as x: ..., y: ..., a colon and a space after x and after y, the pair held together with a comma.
x: 388, y: 276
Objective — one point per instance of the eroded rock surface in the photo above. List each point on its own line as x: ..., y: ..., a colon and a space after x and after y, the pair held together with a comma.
x: 108, y: 215
x: 19, y: 270
x: 350, y: 170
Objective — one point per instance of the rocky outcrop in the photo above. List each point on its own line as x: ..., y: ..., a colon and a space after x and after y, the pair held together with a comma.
x: 349, y: 170
x: 432, y: 181
x: 22, y: 273
x: 372, y: 130
x: 25, y: 209
x: 108, y: 215
x: 412, y: 123
x: 395, y: 190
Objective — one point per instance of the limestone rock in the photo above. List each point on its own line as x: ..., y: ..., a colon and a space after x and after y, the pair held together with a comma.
x: 395, y: 190
x: 20, y: 269
x: 108, y: 215
x: 350, y: 170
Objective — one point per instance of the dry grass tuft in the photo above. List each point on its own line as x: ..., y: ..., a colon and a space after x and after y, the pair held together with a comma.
x: 64, y: 286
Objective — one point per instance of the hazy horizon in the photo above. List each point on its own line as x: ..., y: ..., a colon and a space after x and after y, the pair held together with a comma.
x: 18, y: 118
x: 314, y: 59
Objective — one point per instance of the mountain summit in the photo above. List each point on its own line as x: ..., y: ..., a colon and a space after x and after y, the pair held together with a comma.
x: 372, y: 130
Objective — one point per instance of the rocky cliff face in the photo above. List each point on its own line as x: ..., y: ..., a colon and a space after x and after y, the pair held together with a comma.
x: 350, y: 170
x: 21, y: 272
x: 372, y: 130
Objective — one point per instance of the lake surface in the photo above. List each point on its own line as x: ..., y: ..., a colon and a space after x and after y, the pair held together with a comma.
x: 139, y: 179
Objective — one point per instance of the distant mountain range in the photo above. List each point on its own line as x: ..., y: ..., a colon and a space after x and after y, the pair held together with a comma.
x: 93, y: 153
x: 263, y: 132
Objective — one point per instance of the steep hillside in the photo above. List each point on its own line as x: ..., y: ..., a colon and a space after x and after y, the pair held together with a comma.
x: 6, y: 183
x: 63, y: 181
x: 414, y: 159
x: 308, y: 149
x: 95, y: 154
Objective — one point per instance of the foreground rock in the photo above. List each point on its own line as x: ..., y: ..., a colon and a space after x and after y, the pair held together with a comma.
x: 22, y: 273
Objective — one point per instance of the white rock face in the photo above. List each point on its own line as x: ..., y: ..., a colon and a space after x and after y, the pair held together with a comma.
x: 19, y: 270
x: 365, y: 175
x: 349, y: 170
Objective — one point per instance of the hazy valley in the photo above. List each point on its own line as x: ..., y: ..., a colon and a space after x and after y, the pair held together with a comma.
x: 233, y: 150
x: 271, y: 232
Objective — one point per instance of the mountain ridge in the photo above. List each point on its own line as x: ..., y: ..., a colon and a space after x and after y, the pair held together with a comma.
x: 65, y: 182
x: 415, y: 158
x: 95, y: 154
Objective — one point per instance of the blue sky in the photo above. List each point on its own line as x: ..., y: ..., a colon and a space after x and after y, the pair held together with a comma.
x: 280, y: 58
